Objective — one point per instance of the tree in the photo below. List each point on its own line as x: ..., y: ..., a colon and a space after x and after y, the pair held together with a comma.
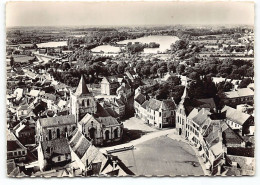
x: 174, y: 80
x: 224, y: 86
x: 171, y: 67
x: 194, y: 75
x: 244, y: 83
x: 180, y: 69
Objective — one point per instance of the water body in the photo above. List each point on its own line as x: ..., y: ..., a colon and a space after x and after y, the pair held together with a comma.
x: 106, y: 49
x: 52, y: 44
x: 164, y: 41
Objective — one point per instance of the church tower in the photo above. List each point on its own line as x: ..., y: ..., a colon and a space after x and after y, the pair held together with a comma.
x: 82, y: 101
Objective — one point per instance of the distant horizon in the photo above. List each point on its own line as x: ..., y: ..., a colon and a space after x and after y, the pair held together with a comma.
x: 125, y: 14
x: 143, y: 25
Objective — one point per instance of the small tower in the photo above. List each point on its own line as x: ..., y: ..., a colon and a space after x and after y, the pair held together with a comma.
x: 82, y: 101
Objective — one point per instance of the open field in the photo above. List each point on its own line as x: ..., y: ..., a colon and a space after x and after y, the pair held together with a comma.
x: 161, y: 156
x: 22, y: 58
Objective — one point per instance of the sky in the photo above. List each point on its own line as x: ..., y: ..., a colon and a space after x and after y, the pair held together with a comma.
x: 127, y: 13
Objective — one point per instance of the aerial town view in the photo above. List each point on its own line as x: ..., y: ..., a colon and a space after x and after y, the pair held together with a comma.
x: 142, y: 91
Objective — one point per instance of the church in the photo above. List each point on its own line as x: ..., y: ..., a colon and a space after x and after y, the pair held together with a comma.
x: 92, y: 119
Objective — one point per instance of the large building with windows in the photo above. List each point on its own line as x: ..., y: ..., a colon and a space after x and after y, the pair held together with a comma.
x: 52, y: 128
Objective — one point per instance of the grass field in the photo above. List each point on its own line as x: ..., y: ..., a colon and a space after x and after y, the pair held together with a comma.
x: 22, y: 58
x: 161, y: 156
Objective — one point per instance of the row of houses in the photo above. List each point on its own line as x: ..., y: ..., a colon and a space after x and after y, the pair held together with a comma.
x: 215, y: 133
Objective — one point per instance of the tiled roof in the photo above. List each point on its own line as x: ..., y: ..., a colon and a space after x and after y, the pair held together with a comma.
x: 140, y: 98
x: 240, y: 93
x: 107, y: 121
x: 58, y: 147
x: 154, y: 104
x: 79, y: 144
x: 193, y: 113
x: 201, y: 117
x: 50, y: 96
x: 235, y: 115
x: 168, y: 105
x: 56, y: 121
x: 12, y: 142
x: 82, y: 87
x: 144, y: 105
x: 230, y: 137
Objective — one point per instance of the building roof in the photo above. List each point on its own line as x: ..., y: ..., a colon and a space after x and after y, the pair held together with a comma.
x: 34, y: 93
x: 82, y: 88
x: 57, y: 146
x: 240, y: 93
x: 57, y: 121
x: 83, y: 148
x: 193, y: 113
x: 12, y: 142
x: 140, y: 98
x: 154, y: 104
x: 235, y: 115
x: 144, y: 105
x: 50, y: 96
x: 231, y: 137
x: 168, y: 105
x: 201, y: 117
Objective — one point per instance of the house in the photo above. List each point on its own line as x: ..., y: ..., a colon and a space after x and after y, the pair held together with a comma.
x: 186, y: 106
x: 15, y: 149
x: 50, y: 99
x: 25, y: 132
x: 53, y: 153
x: 89, y: 161
x: 239, y: 96
x: 139, y: 99
x: 54, y: 127
x: 124, y: 90
x: 240, y: 121
x: 109, y: 85
x: 22, y: 111
x: 161, y: 113
x: 86, y: 156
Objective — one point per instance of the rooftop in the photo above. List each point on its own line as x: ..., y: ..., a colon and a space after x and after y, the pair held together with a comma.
x: 56, y: 121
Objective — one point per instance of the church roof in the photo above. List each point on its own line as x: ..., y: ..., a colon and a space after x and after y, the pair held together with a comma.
x: 82, y: 87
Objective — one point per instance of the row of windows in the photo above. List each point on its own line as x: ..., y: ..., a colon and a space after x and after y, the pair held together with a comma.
x: 14, y: 154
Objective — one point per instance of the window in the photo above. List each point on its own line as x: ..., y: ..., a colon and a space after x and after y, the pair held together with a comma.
x: 23, y: 152
x: 19, y: 153
x: 50, y: 135
x: 15, y: 153
x: 58, y: 158
x: 58, y: 133
x: 88, y: 102
x: 160, y: 114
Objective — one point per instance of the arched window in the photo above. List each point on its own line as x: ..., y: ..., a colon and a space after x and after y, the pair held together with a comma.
x: 107, y: 135
x: 92, y: 133
x: 58, y: 133
x: 50, y: 135
x: 116, y: 133
x: 66, y: 129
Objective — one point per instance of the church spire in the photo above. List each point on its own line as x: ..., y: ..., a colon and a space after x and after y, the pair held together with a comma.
x: 185, y: 93
x: 82, y: 87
